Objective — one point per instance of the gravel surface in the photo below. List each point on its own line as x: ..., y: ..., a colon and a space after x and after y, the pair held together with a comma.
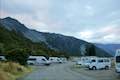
x: 66, y: 71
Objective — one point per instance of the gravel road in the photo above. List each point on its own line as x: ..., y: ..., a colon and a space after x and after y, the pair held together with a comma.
x: 57, y: 72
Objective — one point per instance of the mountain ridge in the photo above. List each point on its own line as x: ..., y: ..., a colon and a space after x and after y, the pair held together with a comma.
x: 59, y: 42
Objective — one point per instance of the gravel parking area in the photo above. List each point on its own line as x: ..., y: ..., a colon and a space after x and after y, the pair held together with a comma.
x: 97, y: 74
x: 69, y: 71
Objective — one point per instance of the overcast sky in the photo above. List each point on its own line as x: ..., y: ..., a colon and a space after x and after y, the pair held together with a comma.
x: 96, y: 21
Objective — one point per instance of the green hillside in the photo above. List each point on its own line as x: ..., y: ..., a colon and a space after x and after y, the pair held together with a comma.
x: 10, y: 40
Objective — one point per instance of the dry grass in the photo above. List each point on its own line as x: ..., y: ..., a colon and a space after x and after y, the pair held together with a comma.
x: 11, y: 71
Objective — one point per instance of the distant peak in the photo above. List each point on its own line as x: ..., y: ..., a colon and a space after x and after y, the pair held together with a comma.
x: 8, y: 18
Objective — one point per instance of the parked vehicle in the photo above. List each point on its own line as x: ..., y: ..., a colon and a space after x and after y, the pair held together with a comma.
x: 99, y: 63
x: 85, y: 61
x: 2, y: 58
x: 63, y: 59
x: 117, y: 61
x: 55, y: 60
x: 38, y: 60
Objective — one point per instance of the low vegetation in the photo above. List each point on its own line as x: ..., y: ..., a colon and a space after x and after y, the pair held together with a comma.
x: 12, y: 71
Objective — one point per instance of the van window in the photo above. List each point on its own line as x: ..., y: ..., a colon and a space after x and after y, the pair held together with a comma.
x: 100, y: 60
x: 117, y: 58
x: 93, y: 60
x: 0, y: 58
x: 51, y: 59
x: 43, y: 60
x: 32, y: 59
x: 106, y: 60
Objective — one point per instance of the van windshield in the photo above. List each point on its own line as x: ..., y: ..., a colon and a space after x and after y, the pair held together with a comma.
x: 117, y: 58
x: 32, y: 59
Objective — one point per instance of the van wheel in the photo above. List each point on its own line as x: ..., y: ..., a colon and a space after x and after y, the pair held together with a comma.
x: 93, y: 68
x: 106, y: 67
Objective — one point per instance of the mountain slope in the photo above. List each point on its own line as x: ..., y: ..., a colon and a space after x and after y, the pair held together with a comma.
x: 58, y: 42
x: 110, y: 48
x: 11, y: 40
x: 12, y: 24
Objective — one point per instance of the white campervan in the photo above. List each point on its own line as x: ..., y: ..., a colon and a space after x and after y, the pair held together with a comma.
x: 37, y: 60
x: 63, y: 59
x: 99, y: 63
x: 2, y: 58
x: 55, y: 60
x: 117, y: 61
x: 85, y: 61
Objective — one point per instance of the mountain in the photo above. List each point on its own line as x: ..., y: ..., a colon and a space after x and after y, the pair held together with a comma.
x: 110, y: 48
x: 57, y: 42
x: 12, y: 24
x: 10, y: 40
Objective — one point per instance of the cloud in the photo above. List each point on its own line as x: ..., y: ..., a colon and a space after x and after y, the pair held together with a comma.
x: 89, y: 10
x: 108, y: 34
x: 90, y: 20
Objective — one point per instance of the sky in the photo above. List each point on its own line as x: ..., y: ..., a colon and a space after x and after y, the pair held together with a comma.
x: 96, y: 21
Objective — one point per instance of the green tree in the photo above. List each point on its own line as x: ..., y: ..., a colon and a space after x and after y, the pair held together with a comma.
x: 17, y: 55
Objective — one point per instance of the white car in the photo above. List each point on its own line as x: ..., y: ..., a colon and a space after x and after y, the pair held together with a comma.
x: 38, y: 60
x: 99, y: 63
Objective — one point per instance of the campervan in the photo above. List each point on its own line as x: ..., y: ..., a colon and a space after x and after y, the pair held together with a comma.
x: 99, y: 63
x: 117, y: 61
x: 38, y: 60
x: 2, y: 58
x: 55, y: 60
x: 85, y: 61
x: 63, y: 59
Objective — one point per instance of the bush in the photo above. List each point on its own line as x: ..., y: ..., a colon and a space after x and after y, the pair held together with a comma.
x: 12, y: 71
x: 17, y: 55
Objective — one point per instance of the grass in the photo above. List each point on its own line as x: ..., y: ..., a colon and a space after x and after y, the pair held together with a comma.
x: 12, y: 71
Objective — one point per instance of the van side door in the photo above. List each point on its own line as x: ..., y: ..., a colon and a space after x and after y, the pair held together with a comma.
x: 101, y: 63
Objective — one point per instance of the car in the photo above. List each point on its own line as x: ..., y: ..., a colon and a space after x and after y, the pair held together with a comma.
x: 38, y: 60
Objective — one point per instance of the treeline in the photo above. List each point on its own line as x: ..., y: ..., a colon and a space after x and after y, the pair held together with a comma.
x: 12, y: 43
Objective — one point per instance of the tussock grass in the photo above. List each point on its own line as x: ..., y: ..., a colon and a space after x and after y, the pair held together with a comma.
x: 11, y: 71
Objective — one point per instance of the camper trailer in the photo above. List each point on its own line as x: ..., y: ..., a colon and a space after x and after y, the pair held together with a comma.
x: 99, y: 63
x: 117, y: 61
x: 38, y: 60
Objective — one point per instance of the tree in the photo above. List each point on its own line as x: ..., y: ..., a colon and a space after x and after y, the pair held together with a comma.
x: 92, y: 50
x: 1, y: 48
x: 17, y: 55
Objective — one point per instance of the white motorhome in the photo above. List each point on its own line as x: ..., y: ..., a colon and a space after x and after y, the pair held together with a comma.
x: 117, y: 61
x: 85, y: 61
x: 99, y: 63
x: 55, y: 60
x: 38, y: 60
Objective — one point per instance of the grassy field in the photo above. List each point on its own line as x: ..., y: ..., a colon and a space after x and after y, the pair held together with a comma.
x: 12, y: 71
